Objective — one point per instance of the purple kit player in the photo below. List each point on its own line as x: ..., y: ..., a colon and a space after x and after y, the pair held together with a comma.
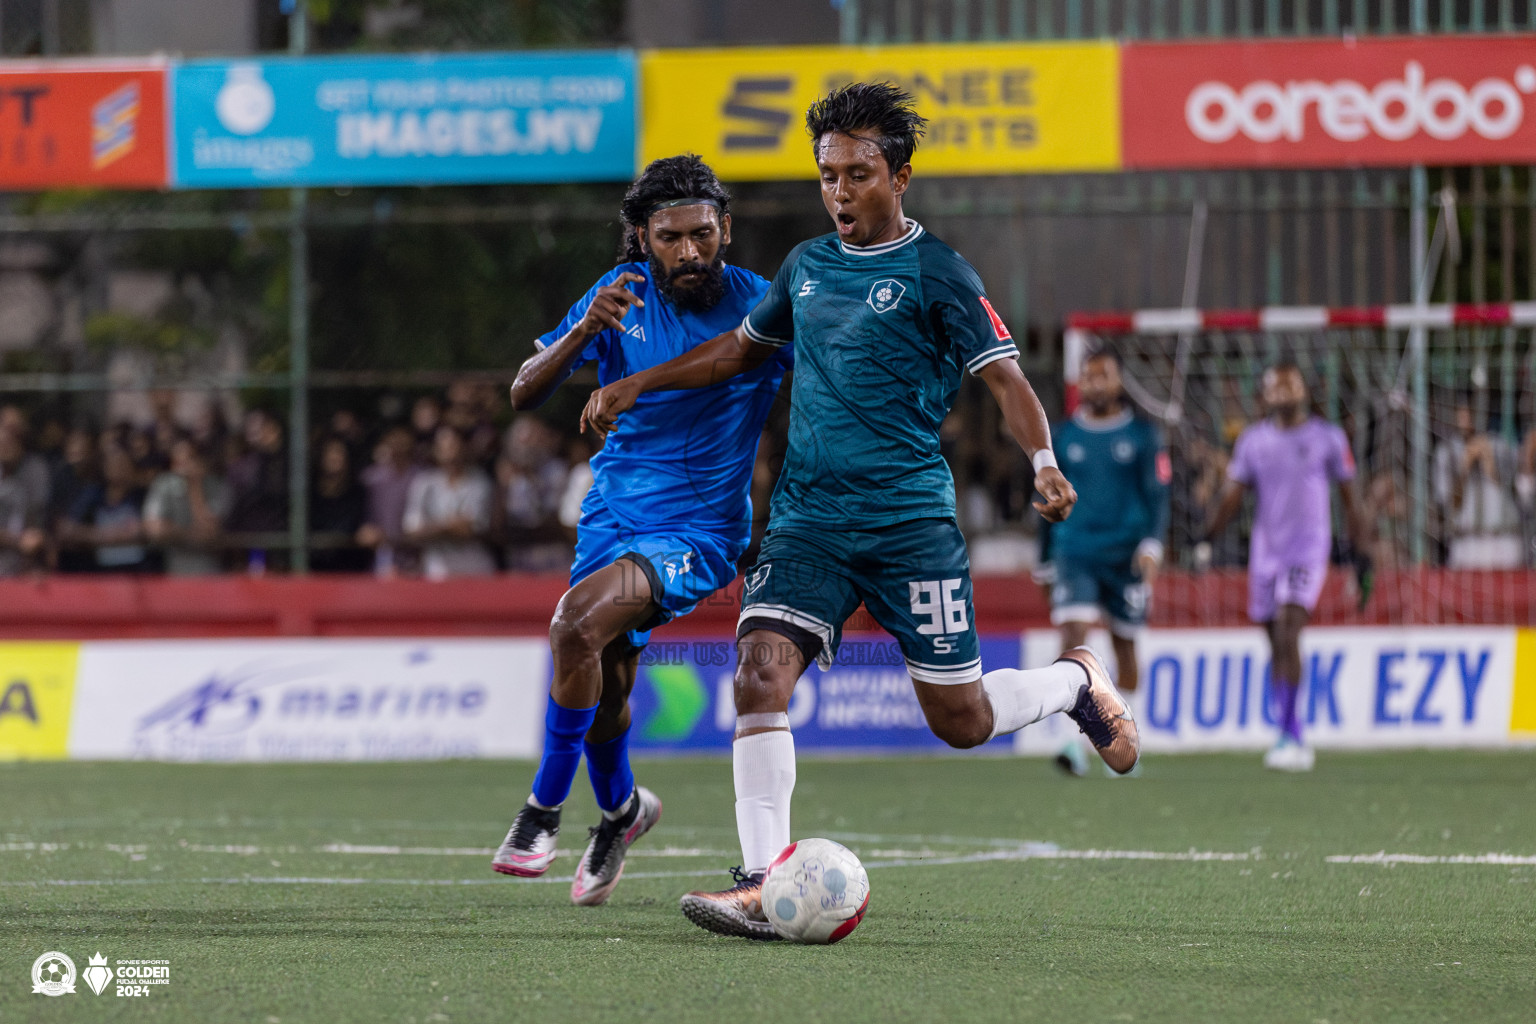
x: 1289, y: 460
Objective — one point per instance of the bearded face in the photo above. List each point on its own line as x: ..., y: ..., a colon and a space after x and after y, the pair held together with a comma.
x: 693, y: 287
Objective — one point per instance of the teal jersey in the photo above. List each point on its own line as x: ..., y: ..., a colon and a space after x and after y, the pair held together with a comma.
x: 1120, y: 470
x: 882, y: 335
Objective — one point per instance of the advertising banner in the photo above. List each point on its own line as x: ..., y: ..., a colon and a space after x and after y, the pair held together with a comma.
x: 993, y: 109
x: 66, y: 125
x: 431, y: 119
x: 1330, y: 103
x: 37, y: 688
x: 1522, y: 713
x: 1428, y: 686
x: 309, y: 700
x: 682, y: 699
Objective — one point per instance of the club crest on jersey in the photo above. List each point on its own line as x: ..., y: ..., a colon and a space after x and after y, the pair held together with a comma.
x: 758, y: 576
x: 885, y: 294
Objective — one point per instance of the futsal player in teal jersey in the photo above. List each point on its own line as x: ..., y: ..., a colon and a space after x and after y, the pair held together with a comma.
x: 1101, y: 563
x: 885, y: 319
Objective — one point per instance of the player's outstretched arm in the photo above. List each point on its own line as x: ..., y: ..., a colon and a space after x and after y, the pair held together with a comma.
x: 1025, y: 417
x: 718, y: 359
x: 544, y: 371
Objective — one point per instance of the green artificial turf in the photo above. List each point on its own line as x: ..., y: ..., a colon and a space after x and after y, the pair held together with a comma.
x: 1005, y: 928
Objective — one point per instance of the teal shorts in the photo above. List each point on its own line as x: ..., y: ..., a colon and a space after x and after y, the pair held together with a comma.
x: 1082, y: 591
x: 914, y: 577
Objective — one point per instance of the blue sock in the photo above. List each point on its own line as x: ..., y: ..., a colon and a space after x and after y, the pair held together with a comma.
x: 564, y: 729
x: 608, y: 766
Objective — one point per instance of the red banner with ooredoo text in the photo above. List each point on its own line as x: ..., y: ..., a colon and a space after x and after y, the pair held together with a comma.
x: 82, y: 126
x: 1331, y: 103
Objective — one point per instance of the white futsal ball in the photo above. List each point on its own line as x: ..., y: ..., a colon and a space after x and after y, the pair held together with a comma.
x: 816, y: 892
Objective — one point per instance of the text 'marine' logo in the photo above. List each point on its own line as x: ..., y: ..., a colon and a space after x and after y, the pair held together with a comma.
x: 885, y: 294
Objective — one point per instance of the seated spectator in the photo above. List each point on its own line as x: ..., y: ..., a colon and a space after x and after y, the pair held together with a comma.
x: 346, y: 425
x: 578, y: 481
x: 104, y: 528
x: 388, y: 482
x: 426, y: 417
x: 448, y: 512
x: 148, y: 463
x: 467, y: 413
x: 258, y: 483
x: 337, y: 507
x: 185, y: 510
x: 162, y: 428
x: 531, y: 475
x: 1474, y: 478
x: 77, y: 471
x: 23, y: 502
x: 209, y: 428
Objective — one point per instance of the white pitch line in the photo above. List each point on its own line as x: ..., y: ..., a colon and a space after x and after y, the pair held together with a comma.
x: 468, y: 851
x: 1036, y: 851
x: 1421, y: 858
x: 1026, y: 852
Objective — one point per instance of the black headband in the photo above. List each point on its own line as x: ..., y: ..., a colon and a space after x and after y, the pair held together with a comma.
x: 690, y: 201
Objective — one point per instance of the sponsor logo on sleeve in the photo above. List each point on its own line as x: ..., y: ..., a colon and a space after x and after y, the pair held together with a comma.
x: 999, y: 328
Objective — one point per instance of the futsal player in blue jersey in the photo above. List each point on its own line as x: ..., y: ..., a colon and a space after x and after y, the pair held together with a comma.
x: 669, y: 511
x: 1102, y: 562
x: 885, y: 319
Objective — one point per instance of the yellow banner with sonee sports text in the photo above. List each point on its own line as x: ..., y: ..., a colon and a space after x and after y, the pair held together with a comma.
x: 37, y: 690
x: 992, y: 109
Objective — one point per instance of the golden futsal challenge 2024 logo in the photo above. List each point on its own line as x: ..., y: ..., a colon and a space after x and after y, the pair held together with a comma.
x: 53, y: 974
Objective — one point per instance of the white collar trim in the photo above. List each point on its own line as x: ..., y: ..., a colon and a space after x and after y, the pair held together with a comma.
x: 914, y: 232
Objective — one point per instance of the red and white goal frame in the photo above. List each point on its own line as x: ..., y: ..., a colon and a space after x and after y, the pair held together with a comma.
x: 1083, y: 327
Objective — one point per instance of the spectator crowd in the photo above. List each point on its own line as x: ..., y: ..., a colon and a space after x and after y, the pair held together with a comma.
x: 454, y: 487
x: 444, y: 491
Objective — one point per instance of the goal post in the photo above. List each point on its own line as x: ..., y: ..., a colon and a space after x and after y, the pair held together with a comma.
x: 1438, y: 402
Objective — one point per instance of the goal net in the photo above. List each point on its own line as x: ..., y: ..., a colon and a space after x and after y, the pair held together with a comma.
x: 1437, y: 402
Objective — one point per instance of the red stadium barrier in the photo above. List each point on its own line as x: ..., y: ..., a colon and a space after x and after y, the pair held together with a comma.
x: 130, y: 607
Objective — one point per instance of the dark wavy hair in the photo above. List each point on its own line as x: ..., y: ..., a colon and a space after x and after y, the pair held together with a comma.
x: 673, y: 177
x: 878, y: 112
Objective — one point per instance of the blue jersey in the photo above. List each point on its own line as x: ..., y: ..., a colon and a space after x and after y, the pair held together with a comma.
x: 1121, y: 472
x: 882, y: 335
x: 679, y: 458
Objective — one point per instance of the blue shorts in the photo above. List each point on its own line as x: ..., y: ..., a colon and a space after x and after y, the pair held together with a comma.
x: 683, y: 568
x: 914, y: 577
x: 1082, y: 590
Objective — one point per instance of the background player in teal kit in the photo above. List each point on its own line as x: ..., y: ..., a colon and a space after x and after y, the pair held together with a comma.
x: 1102, y: 562
x: 669, y: 511
x: 885, y: 320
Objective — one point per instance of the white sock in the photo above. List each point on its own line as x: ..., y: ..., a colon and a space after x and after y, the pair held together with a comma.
x: 623, y: 808
x: 764, y: 766
x: 1022, y: 697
